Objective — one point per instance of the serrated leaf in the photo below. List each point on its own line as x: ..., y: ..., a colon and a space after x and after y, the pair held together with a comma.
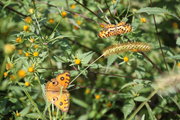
x: 111, y: 59
x: 178, y: 41
x: 140, y: 99
x: 127, y: 108
x: 52, y: 35
x: 25, y: 111
x: 152, y: 10
x: 150, y: 112
x: 33, y: 115
x: 177, y: 57
x: 125, y: 95
x: 87, y: 58
x: 155, y: 11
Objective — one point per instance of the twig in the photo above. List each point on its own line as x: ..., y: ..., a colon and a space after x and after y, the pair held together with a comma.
x: 90, y: 11
x: 157, y: 37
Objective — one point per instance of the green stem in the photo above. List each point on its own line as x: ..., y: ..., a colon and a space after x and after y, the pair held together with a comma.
x: 142, y: 104
x: 33, y: 103
x: 3, y: 67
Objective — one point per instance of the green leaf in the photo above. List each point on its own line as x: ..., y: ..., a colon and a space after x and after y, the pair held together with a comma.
x: 83, y: 117
x: 177, y: 57
x: 125, y: 95
x: 178, y: 41
x: 111, y: 59
x: 86, y: 57
x: 127, y: 108
x: 33, y: 115
x: 25, y: 111
x: 79, y: 102
x: 140, y: 99
x: 150, y: 112
x: 143, y: 117
x: 156, y: 11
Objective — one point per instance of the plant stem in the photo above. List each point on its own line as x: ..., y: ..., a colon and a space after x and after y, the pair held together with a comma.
x: 33, y: 103
x: 3, y: 67
x: 142, y: 104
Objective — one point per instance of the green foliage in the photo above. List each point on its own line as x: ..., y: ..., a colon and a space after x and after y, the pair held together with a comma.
x: 41, y: 39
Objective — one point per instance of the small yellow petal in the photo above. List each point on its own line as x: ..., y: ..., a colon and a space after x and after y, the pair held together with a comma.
x: 126, y: 59
x: 77, y: 61
x: 63, y: 13
x: 35, y: 54
x: 27, y: 84
x: 143, y: 20
x: 21, y: 73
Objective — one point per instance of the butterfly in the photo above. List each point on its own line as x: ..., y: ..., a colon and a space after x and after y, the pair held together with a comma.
x: 57, y: 93
x: 112, y: 30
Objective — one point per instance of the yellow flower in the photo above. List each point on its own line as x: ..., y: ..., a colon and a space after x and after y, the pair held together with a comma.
x: 109, y: 104
x: 77, y: 61
x: 31, y: 10
x: 18, y: 114
x: 26, y: 28
x: 9, y: 66
x: 31, y: 40
x: 21, y: 73
x: 20, y: 52
x: 5, y: 74
x: 27, y: 54
x: 87, y: 91
x: 51, y: 21
x: 97, y: 97
x: 18, y: 40
x: 175, y: 25
x: 36, y: 46
x: 9, y: 48
x: 143, y: 20
x: 31, y: 69
x: 28, y: 19
x: 63, y: 13
x: 73, y: 6
x: 12, y: 77
x: 79, y: 22
x: 126, y: 59
x: 27, y: 84
x: 35, y: 54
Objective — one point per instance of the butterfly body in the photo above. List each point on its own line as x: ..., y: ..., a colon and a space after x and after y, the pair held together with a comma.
x: 57, y: 93
x: 112, y: 30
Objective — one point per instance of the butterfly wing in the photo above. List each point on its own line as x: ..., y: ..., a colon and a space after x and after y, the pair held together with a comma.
x: 56, y: 92
x: 62, y: 80
x: 60, y: 100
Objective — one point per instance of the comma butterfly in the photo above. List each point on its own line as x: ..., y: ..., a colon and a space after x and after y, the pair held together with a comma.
x: 112, y: 30
x: 57, y: 93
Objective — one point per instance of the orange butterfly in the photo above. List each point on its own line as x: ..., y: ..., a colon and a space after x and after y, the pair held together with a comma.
x: 56, y: 91
x: 112, y: 30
